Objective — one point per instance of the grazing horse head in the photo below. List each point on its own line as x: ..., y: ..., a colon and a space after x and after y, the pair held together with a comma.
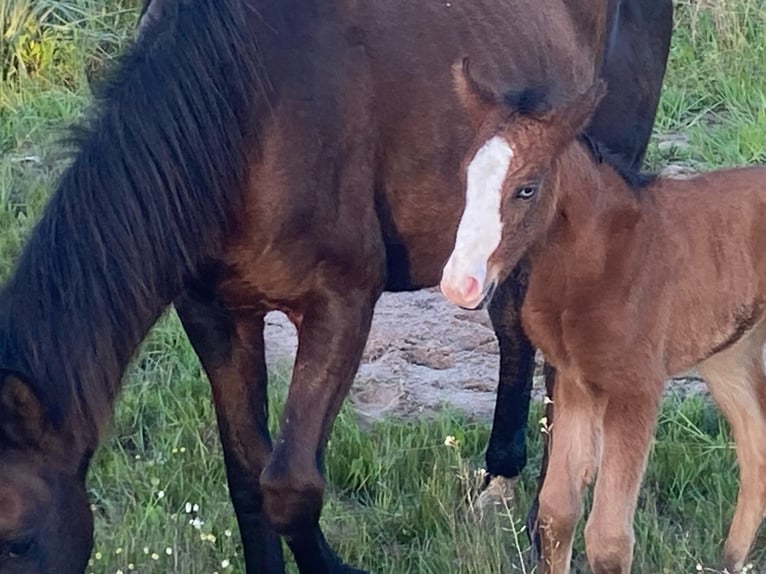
x: 510, y: 188
x: 46, y: 524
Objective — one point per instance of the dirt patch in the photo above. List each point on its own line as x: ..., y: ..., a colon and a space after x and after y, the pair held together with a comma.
x: 424, y: 354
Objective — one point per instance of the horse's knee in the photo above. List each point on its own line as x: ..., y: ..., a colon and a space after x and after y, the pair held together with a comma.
x: 556, y: 518
x: 292, y: 497
x: 609, y: 551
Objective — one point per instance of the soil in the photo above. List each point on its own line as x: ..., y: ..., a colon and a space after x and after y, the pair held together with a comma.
x: 425, y: 354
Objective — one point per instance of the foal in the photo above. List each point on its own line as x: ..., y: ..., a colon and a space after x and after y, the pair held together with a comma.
x: 627, y: 287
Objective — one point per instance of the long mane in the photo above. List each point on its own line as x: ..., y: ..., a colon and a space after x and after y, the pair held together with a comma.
x: 157, y: 171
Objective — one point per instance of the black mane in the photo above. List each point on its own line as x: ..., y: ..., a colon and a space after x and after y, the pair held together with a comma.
x: 634, y: 178
x: 529, y: 101
x: 156, y: 173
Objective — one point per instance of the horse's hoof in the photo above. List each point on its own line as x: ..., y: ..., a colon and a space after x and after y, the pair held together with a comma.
x: 498, y: 495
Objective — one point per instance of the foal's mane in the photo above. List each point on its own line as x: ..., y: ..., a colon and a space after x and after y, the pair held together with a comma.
x: 635, y: 179
x: 535, y: 102
x: 157, y: 170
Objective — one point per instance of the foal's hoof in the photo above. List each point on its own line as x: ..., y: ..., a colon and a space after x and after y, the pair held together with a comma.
x: 498, y: 495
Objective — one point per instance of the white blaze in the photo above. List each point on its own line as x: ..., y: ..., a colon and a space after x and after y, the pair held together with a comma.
x: 480, y: 228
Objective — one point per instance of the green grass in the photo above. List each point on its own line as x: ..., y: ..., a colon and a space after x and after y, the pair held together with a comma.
x: 398, y: 497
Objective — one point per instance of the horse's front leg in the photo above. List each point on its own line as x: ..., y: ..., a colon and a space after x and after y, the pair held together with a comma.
x: 629, y: 425
x: 230, y: 348
x: 332, y: 335
x: 574, y: 456
x: 506, y: 454
x: 533, y: 530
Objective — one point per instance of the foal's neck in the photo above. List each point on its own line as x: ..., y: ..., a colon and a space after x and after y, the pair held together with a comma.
x: 594, y: 200
x: 597, y: 214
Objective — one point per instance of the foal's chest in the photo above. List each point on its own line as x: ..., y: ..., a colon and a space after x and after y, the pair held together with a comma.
x: 581, y: 329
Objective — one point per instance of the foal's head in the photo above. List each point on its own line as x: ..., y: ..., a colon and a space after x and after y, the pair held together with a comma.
x: 511, y: 188
x: 46, y: 524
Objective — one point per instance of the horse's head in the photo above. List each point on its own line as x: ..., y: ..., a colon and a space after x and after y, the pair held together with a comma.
x: 511, y: 190
x: 46, y: 524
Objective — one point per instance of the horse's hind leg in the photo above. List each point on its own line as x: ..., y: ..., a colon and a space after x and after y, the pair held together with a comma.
x: 331, y: 338
x: 231, y: 351
x: 737, y: 382
x: 507, y: 449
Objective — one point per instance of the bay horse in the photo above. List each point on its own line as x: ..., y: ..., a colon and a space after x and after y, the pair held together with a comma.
x: 248, y: 156
x: 633, y: 278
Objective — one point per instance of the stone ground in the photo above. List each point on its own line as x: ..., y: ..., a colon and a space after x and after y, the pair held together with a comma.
x: 423, y: 354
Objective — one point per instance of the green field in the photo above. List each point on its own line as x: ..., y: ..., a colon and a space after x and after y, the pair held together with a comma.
x: 398, y: 496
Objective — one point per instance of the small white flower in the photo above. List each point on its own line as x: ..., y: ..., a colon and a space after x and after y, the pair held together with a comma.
x: 188, y: 507
x: 450, y: 440
x: 196, y: 522
x: 98, y: 555
x: 169, y: 551
x: 160, y: 494
x: 225, y: 563
x: 155, y: 556
x: 227, y: 533
x: 195, y: 508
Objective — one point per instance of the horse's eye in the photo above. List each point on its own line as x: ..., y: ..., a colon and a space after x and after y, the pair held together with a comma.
x: 19, y: 548
x: 526, y: 192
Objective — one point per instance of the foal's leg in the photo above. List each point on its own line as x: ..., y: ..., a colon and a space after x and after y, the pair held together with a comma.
x: 628, y: 428
x: 331, y: 339
x: 533, y: 525
x: 507, y: 450
x: 737, y: 383
x: 231, y: 351
x: 575, y: 447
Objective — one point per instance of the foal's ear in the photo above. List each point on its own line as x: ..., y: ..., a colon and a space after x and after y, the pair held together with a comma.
x: 477, y: 98
x: 22, y: 420
x: 575, y: 116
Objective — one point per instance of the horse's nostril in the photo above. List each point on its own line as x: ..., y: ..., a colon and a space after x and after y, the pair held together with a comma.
x: 469, y: 288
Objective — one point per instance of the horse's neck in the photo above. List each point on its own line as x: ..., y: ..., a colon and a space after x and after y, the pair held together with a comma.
x: 592, y: 194
x: 595, y: 205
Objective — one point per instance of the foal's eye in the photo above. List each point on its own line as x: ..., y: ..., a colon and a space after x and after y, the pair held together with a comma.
x: 526, y: 192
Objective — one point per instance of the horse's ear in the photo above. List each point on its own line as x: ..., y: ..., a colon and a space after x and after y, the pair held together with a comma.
x: 477, y: 99
x: 575, y: 116
x: 22, y: 420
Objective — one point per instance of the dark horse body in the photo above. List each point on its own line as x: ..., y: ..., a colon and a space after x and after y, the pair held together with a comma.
x: 251, y: 156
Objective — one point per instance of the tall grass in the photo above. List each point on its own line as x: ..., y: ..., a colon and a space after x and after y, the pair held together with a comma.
x: 714, y: 93
x: 398, y: 495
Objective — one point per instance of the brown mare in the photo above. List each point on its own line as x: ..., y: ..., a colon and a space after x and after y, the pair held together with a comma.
x: 251, y: 155
x: 632, y: 279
